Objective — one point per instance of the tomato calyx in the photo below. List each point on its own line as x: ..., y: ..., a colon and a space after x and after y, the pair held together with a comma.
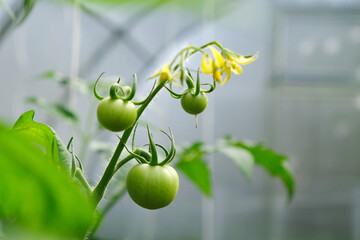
x: 117, y: 91
x: 152, y: 157
x: 192, y: 86
x: 193, y: 99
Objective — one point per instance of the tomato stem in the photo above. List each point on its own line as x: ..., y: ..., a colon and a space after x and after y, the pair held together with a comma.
x: 122, y: 162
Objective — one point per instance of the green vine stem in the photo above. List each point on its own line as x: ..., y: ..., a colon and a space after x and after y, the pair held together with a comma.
x: 200, y: 49
x: 100, y: 215
x: 99, y: 190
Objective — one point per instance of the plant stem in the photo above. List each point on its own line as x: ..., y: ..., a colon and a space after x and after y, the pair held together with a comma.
x: 186, y: 49
x: 122, y: 162
x: 104, y: 211
x: 99, y: 190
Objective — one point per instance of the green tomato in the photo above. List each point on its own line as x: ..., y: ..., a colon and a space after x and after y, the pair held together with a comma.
x: 152, y: 187
x: 194, y: 104
x: 116, y: 114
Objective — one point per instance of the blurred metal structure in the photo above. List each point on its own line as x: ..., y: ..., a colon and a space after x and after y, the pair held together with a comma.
x: 314, y: 103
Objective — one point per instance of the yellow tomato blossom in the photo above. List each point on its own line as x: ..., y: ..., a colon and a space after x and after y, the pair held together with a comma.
x: 166, y: 75
x: 219, y: 65
x: 210, y: 66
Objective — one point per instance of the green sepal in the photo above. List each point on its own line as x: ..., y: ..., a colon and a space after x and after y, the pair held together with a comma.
x: 174, y: 94
x: 152, y: 148
x: 172, y: 152
x: 133, y: 90
x: 94, y: 90
x: 197, y: 86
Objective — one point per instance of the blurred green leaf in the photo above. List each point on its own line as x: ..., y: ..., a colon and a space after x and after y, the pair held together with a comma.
x: 273, y: 162
x: 8, y: 10
x: 34, y: 194
x: 26, y: 9
x: 125, y: 1
x: 215, y: 10
x: 55, y: 109
x: 189, y: 4
x: 64, y: 158
x: 44, y: 138
x: 80, y: 85
x: 242, y: 158
x: 50, y: 75
x: 193, y: 166
x: 103, y: 147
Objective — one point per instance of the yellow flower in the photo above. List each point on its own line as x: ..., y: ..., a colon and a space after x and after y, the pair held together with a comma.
x: 244, y: 60
x: 233, y: 64
x: 218, y: 58
x: 166, y: 75
x: 219, y: 66
x: 213, y: 67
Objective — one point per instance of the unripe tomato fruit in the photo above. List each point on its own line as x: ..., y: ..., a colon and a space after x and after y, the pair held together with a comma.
x: 152, y: 187
x: 194, y: 104
x: 116, y: 114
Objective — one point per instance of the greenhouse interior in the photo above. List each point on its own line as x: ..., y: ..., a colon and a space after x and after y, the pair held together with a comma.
x: 180, y: 119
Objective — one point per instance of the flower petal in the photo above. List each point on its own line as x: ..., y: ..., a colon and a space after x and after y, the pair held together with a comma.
x: 227, y: 71
x: 155, y: 75
x: 237, y: 69
x: 207, y: 64
x: 165, y: 73
x: 217, y: 76
x: 174, y: 77
x: 218, y: 58
x: 243, y: 60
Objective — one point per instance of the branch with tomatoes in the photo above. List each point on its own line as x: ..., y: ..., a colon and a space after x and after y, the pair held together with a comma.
x: 151, y: 183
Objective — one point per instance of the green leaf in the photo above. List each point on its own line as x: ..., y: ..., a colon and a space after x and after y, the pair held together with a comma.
x: 55, y: 109
x: 195, y: 169
x: 44, y: 138
x: 243, y: 159
x: 273, y: 162
x: 34, y: 194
